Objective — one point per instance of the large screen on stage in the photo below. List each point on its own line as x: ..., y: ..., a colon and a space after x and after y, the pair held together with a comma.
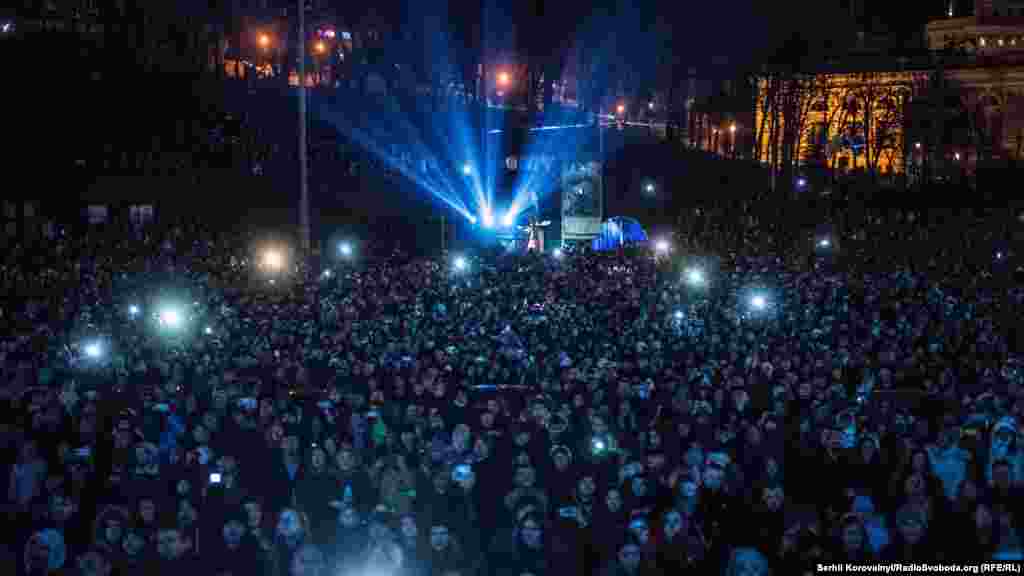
x: 582, y: 194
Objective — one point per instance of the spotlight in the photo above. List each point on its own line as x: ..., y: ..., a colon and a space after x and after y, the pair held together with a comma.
x: 695, y: 277
x: 467, y: 169
x: 679, y: 314
x: 649, y: 188
x: 93, y: 350
x: 662, y: 246
x: 801, y: 182
x: 758, y: 302
x: 488, y: 218
x: 346, y: 249
x: 824, y: 243
x: 472, y: 219
x: 510, y: 218
x: 460, y: 263
x: 133, y: 310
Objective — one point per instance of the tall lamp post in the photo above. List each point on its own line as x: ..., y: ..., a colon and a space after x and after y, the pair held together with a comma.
x: 304, y: 231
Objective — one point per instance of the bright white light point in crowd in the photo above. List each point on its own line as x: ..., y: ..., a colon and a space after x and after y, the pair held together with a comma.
x: 209, y: 330
x: 758, y: 302
x: 346, y: 249
x: 679, y: 315
x: 695, y: 276
x: 272, y: 259
x: 170, y: 317
x: 133, y: 310
x: 467, y: 169
x: 93, y: 350
x: 824, y: 243
x: 662, y: 246
x: 460, y: 263
x: 558, y: 252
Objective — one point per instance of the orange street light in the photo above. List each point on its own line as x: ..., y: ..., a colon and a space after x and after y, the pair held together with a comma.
x: 503, y: 78
x: 621, y: 108
x: 732, y: 128
x: 320, y: 47
x: 264, y: 40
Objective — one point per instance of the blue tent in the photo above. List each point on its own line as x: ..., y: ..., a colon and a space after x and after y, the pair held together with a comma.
x: 618, y: 231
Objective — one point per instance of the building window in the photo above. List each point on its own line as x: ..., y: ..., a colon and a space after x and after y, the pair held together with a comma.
x: 97, y: 214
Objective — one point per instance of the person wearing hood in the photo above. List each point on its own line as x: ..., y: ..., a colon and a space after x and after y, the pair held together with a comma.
x: 291, y: 533
x: 317, y: 486
x: 1005, y: 446
x: 44, y: 555
x: 852, y: 541
x: 911, y: 542
x: 523, y: 551
x: 351, y: 536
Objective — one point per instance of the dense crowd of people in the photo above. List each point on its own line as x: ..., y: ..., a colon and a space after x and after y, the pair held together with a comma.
x: 171, y: 407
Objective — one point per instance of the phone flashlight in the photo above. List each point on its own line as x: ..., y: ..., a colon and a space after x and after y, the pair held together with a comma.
x: 215, y: 478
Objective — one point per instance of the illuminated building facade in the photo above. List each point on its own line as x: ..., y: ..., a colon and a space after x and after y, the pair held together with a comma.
x: 875, y: 113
